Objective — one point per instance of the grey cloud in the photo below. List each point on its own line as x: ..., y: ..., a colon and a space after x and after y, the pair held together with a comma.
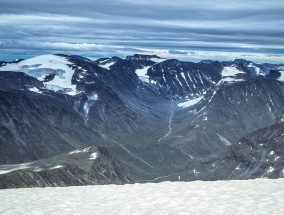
x: 127, y: 26
x: 178, y: 52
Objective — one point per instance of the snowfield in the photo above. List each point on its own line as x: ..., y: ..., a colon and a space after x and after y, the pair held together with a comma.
x: 49, y: 64
x: 190, y: 102
x: 261, y: 196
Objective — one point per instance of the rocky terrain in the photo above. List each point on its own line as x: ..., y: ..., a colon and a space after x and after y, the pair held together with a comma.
x: 146, y: 117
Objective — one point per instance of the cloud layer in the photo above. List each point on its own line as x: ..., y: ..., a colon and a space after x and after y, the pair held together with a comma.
x: 189, y: 30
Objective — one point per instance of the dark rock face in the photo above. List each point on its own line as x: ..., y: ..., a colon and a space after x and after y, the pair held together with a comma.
x: 225, y: 114
x: 185, y: 79
x: 140, y: 123
x: 35, y: 126
x: 274, y: 74
x: 18, y: 81
x: 143, y: 57
x: 256, y: 155
x: 89, y: 166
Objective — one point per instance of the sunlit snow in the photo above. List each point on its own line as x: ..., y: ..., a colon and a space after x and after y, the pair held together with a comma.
x: 256, y: 69
x: 158, y: 60
x: 142, y: 74
x: 56, y: 167
x: 190, y: 102
x: 224, y: 140
x: 79, y: 151
x: 230, y: 71
x: 229, y: 74
x: 36, y: 90
x: 261, y: 196
x: 41, y: 66
x: 107, y: 65
x: 13, y: 167
x: 281, y: 78
x: 93, y: 156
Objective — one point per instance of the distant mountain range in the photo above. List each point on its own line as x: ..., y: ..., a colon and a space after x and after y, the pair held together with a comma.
x: 68, y: 120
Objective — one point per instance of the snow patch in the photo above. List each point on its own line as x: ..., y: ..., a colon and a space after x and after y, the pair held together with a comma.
x: 36, y: 90
x: 190, y: 102
x: 41, y: 66
x: 9, y: 168
x: 79, y: 151
x: 231, y: 80
x: 88, y: 104
x: 281, y: 78
x: 56, y: 167
x: 158, y: 60
x: 107, y: 65
x: 271, y: 169
x: 93, y: 156
x: 256, y: 69
x: 230, y: 71
x: 195, y: 172
x: 224, y: 140
x: 142, y: 74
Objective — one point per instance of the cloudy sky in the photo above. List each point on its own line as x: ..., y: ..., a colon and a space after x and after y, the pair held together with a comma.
x: 184, y: 29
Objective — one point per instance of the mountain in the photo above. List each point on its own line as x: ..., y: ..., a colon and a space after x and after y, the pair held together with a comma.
x: 225, y: 114
x: 103, y: 109
x: 79, y: 167
x: 185, y: 79
x: 254, y: 68
x: 156, y: 118
x: 257, y: 155
x: 106, y: 62
x: 154, y: 58
x: 37, y: 123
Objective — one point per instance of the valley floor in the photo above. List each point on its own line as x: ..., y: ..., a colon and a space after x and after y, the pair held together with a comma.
x: 260, y: 196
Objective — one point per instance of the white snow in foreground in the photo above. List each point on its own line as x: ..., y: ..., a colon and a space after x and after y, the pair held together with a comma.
x: 40, y: 66
x: 190, y: 102
x: 142, y: 74
x: 261, y: 196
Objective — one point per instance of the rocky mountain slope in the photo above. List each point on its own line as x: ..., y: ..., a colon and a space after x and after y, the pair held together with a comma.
x: 259, y: 154
x: 90, y: 165
x: 158, y: 117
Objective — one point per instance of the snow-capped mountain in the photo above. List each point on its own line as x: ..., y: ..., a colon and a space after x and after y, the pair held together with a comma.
x: 154, y: 115
x: 184, y: 79
x: 253, y: 68
x: 227, y: 113
x: 106, y: 62
x: 54, y: 71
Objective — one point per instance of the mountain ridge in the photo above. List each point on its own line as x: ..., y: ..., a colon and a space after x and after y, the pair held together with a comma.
x: 155, y: 115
